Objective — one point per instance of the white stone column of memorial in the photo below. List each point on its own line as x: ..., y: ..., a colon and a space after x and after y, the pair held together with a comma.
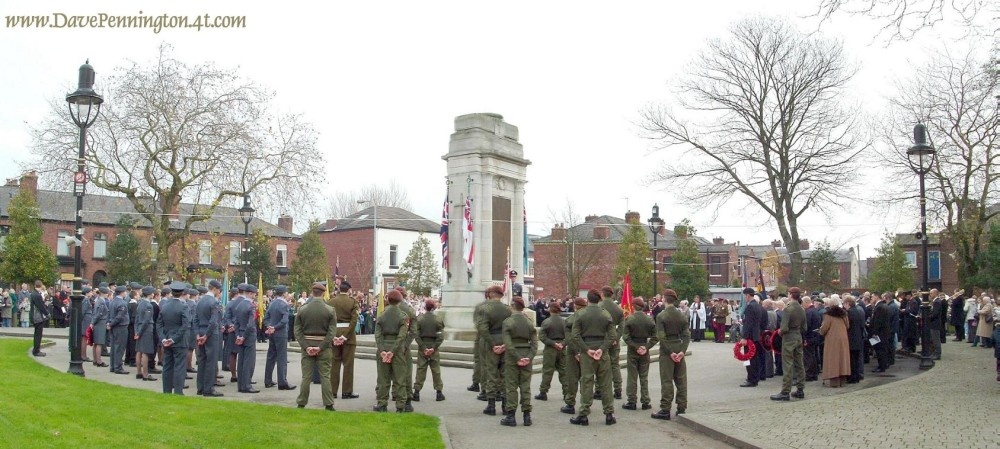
x: 486, y: 150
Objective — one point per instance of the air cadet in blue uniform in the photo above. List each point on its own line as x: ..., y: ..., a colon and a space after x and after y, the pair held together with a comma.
x: 246, y: 339
x: 174, y: 324
x: 144, y: 336
x: 276, y: 328
x: 118, y: 326
x: 207, y: 328
x: 230, y: 349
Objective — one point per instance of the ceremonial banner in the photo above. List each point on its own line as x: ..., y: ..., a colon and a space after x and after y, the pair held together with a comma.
x: 627, y: 295
x: 444, y: 235
x: 469, y: 247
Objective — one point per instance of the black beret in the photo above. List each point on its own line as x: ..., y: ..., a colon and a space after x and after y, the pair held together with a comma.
x: 749, y: 291
x: 345, y: 285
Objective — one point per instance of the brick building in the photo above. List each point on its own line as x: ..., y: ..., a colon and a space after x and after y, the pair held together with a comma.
x: 593, y: 247
x: 942, y: 272
x: 349, y: 242
x: 214, y: 245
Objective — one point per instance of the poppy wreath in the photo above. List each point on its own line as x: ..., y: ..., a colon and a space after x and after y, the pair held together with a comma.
x: 765, y: 340
x: 775, y: 342
x: 744, y: 350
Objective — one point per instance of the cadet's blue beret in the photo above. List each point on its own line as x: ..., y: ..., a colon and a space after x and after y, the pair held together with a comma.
x: 251, y: 289
x: 103, y: 289
x: 280, y: 290
x: 165, y: 291
x: 103, y: 284
x: 120, y: 289
x: 178, y: 286
x: 215, y: 284
x: 192, y: 292
x: 134, y: 285
x: 86, y: 290
x: 202, y: 290
x: 243, y: 287
x: 148, y: 290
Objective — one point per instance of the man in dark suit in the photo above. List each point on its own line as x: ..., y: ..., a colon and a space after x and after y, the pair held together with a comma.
x: 882, y: 328
x: 754, y: 323
x: 812, y: 339
x: 173, y: 324
x: 855, y: 338
x: 39, y: 316
x: 958, y: 314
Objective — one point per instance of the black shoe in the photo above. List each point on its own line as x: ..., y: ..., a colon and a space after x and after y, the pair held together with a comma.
x: 568, y: 409
x: 380, y: 408
x: 155, y: 371
x: 415, y: 397
x: 408, y: 407
x: 609, y: 419
x: 287, y: 387
x: 439, y: 397
x: 218, y: 376
x: 473, y: 387
x: 491, y: 408
x: 250, y: 390
x: 233, y: 380
x: 349, y: 396
x: 213, y: 394
x: 188, y: 377
x: 121, y: 371
x: 300, y: 406
x: 192, y: 370
x: 780, y: 397
x: 680, y: 411
x: 330, y: 408
x: 526, y: 419
x: 580, y: 421
x: 748, y: 384
x: 799, y: 394
x: 149, y: 378
x: 481, y: 396
x: 629, y: 406
x: 269, y: 384
x: 597, y: 395
x: 508, y: 420
x: 542, y: 397
x: 38, y: 354
x: 662, y: 414
x: 138, y: 376
x: 878, y: 370
x: 646, y: 406
x: 618, y: 394
x: 219, y: 384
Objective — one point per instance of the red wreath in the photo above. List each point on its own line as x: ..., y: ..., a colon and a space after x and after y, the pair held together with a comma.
x: 744, y: 350
x: 765, y: 340
x: 774, y: 342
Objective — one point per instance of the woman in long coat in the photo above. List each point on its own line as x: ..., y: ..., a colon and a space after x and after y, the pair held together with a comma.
x: 985, y: 330
x: 836, y: 346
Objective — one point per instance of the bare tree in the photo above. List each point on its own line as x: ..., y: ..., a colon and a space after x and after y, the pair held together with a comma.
x: 763, y: 122
x: 956, y: 97
x: 170, y: 131
x: 903, y: 19
x: 577, y: 252
x: 344, y: 204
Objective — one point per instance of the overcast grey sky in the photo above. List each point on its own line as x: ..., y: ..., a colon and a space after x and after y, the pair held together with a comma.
x: 383, y: 81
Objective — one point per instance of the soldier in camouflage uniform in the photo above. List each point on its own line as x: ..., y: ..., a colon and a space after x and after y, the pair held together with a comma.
x: 490, y: 324
x: 520, y: 340
x: 593, y: 335
x: 390, y: 336
x: 430, y: 335
x: 553, y: 336
x: 618, y: 316
x: 639, y: 333
x: 674, y: 334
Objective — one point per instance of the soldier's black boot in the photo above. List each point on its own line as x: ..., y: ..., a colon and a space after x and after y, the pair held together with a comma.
x: 491, y: 408
x: 503, y: 402
x: 629, y: 406
x: 799, y: 394
x: 508, y: 420
x: 580, y: 421
x: 379, y: 408
x: 646, y: 406
x: 568, y: 409
x: 542, y: 396
x: 526, y: 419
x: 408, y: 407
x: 662, y: 414
x: 440, y: 396
x: 780, y: 396
x: 609, y: 419
x: 416, y: 396
x: 473, y: 387
x: 597, y: 395
x: 618, y: 393
x: 481, y: 396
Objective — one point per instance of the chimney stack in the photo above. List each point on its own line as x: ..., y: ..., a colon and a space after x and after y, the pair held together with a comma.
x: 718, y: 241
x: 330, y: 223
x: 776, y: 243
x: 558, y: 232
x: 602, y: 233
x: 803, y: 244
x: 29, y: 182
x: 285, y: 222
x: 631, y: 217
x: 589, y: 218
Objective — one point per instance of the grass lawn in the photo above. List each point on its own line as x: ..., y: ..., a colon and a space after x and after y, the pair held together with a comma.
x: 44, y: 408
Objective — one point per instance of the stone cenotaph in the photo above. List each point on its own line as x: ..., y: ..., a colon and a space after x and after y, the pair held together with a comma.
x: 485, y: 163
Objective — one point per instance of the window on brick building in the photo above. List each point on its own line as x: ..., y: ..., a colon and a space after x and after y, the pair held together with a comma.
x: 665, y: 265
x: 100, y: 245
x: 281, y: 256
x: 154, y: 248
x: 531, y: 267
x: 715, y: 265
x: 62, y: 248
x: 4, y: 231
x: 393, y: 257
x: 235, y: 250
x: 205, y: 252
x: 911, y: 259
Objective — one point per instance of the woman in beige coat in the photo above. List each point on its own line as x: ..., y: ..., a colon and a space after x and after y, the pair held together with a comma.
x: 836, y: 347
x: 985, y: 330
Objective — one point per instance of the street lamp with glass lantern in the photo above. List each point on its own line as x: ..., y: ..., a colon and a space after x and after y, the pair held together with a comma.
x: 655, y: 226
x: 374, y: 245
x: 246, y: 215
x: 921, y: 156
x: 84, y: 107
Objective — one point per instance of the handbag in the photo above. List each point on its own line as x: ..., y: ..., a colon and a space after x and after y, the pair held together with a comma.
x: 39, y: 317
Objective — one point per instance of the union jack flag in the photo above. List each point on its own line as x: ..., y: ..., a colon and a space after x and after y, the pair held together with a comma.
x: 444, y: 235
x: 469, y: 249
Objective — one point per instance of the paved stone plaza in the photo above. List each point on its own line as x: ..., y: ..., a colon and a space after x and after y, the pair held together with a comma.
x: 904, y: 409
